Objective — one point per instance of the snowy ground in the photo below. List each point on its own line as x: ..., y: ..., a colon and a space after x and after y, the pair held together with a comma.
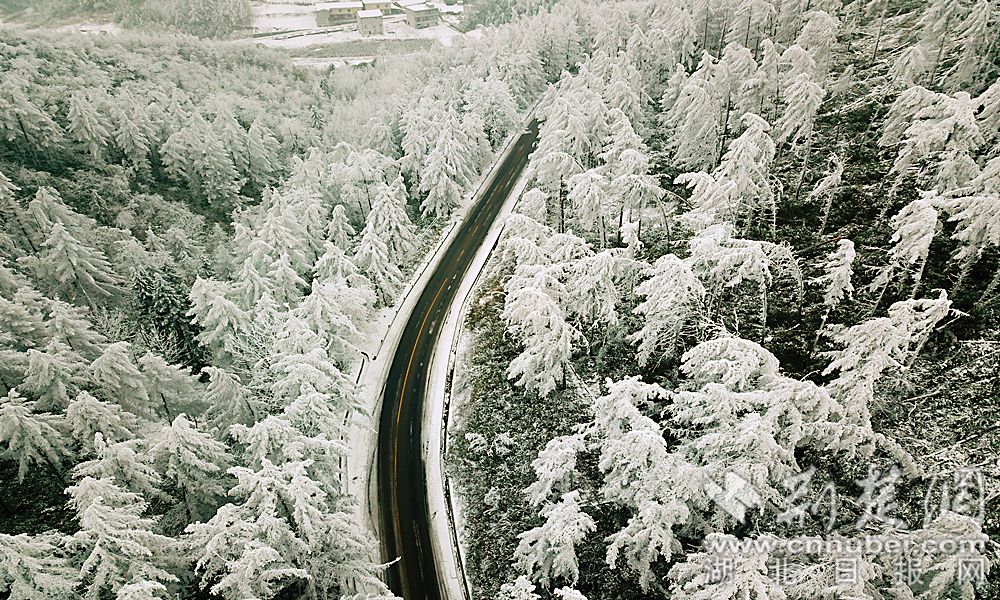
x: 395, y: 29
x: 449, y: 391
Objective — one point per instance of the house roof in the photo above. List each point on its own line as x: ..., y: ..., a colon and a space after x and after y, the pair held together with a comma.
x: 419, y: 7
x: 338, y: 5
x: 370, y: 14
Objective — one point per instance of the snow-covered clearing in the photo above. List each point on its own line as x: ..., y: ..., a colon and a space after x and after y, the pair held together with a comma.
x: 395, y: 29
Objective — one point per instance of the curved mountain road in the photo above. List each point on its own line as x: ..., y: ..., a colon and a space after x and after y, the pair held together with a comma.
x: 401, y: 472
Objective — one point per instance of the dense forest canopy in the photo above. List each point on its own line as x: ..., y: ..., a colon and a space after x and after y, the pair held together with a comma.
x: 749, y: 297
x: 203, y: 18
x: 196, y: 238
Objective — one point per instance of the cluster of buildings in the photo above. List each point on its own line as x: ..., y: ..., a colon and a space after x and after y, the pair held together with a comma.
x: 369, y: 13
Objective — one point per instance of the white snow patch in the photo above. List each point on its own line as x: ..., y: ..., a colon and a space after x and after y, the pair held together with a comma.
x: 396, y: 28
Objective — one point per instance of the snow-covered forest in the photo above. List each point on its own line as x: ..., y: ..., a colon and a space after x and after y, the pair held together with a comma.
x: 197, y: 238
x: 748, y: 298
x: 738, y: 340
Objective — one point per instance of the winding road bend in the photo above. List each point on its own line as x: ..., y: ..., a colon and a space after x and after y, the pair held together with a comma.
x: 404, y: 515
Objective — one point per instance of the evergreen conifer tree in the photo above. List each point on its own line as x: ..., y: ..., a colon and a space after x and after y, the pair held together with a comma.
x: 87, y: 416
x: 194, y: 464
x: 117, y: 376
x: 29, y: 438
x: 372, y: 260
x: 75, y: 270
x: 548, y: 552
x: 31, y: 568
x: 87, y: 125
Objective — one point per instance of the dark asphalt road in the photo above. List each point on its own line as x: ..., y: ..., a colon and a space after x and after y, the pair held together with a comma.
x: 404, y: 515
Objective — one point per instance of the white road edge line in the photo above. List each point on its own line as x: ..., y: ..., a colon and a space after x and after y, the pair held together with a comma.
x: 359, y: 478
x: 444, y: 535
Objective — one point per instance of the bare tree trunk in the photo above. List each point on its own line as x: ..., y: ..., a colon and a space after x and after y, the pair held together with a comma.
x: 940, y: 52
x: 962, y: 275
x: 805, y: 161
x: 704, y: 42
x: 881, y: 28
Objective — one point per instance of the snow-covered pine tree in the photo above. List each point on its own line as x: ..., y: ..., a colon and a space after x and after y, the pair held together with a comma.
x: 194, y: 464
x: 548, y: 552
x: 233, y: 138
x: 974, y: 38
x: 620, y: 94
x: 378, y: 135
x: 31, y: 568
x: 520, y: 589
x: 125, y: 462
x: 555, y: 468
x: 170, y: 386
x: 547, y: 339
x: 672, y: 294
x: 604, y: 280
x: 389, y: 219
x: 229, y: 401
x: 913, y: 231
x: 533, y: 204
x: 826, y: 189
x: 21, y: 121
x: 219, y: 318
x: 620, y: 138
x: 735, y: 67
x: 119, y: 379
x: 120, y: 545
x: 492, y: 100
x: 975, y: 209
x: 874, y: 346
x: 262, y: 151
x: 69, y: 325
x: 335, y: 264
x: 803, y: 97
x: 588, y: 196
x: 648, y: 537
x: 472, y: 137
x: 723, y: 261
x: 286, y: 283
x: 836, y: 278
x: 694, y: 119
x: 87, y: 416
x: 372, y: 260
x: 28, y: 438
x: 51, y: 376
x: 989, y: 113
x: 335, y: 311
x: 934, y: 25
x: 261, y: 545
x: 745, y: 166
x: 818, y: 36
x: 215, y: 176
x: 142, y: 589
x: 340, y: 231
x: 693, y: 579
x: 76, y: 271
x: 440, y: 180
x: 925, y: 124
x: 251, y: 286
x: 47, y: 208
x: 134, y: 134
x: 918, y: 317
x: 87, y: 126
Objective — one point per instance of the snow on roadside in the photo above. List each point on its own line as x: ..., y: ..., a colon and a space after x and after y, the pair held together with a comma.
x: 384, y: 334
